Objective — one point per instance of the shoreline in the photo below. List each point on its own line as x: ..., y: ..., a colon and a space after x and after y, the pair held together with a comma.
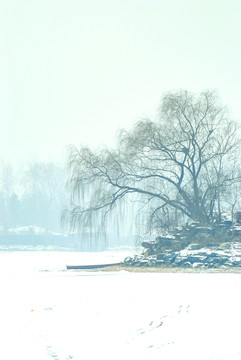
x: 167, y: 269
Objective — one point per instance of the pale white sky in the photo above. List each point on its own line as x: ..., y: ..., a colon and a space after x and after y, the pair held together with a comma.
x: 74, y: 71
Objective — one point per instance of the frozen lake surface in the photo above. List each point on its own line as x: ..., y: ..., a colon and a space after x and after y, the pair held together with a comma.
x: 49, y: 313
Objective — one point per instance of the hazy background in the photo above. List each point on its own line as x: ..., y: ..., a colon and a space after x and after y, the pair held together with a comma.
x: 74, y: 72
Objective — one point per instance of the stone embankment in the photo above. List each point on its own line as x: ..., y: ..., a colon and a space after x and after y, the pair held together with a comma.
x: 193, y: 246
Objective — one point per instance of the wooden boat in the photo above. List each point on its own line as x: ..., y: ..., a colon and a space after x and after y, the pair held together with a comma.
x: 87, y: 267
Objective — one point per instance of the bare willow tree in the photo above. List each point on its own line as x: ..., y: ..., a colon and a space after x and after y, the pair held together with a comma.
x: 180, y: 162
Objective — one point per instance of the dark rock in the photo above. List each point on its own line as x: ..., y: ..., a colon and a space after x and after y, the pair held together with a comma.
x: 193, y: 259
x: 147, y: 245
x: 183, y: 263
x: 236, y: 231
x: 152, y: 262
x: 144, y: 263
x: 148, y: 252
x: 128, y: 260
x: 228, y: 223
x: 214, y: 260
x: 170, y: 257
x: 159, y: 262
x: 211, y: 255
x: 160, y: 256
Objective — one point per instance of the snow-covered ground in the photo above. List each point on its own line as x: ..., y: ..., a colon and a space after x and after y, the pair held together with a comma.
x: 48, y: 313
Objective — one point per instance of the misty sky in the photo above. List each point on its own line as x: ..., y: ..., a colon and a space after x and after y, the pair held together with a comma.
x: 74, y: 71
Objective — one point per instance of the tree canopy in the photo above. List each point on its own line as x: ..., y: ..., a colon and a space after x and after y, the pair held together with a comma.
x: 183, y: 162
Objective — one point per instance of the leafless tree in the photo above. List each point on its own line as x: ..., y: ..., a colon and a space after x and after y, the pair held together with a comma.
x: 177, y: 162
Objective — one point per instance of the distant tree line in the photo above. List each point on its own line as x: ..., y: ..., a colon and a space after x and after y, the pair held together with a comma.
x: 32, y: 195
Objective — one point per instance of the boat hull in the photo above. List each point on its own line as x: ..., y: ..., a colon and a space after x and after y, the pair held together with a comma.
x: 87, y: 267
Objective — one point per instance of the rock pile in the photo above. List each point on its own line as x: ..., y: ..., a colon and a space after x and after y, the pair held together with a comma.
x: 193, y: 246
x: 203, y: 258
